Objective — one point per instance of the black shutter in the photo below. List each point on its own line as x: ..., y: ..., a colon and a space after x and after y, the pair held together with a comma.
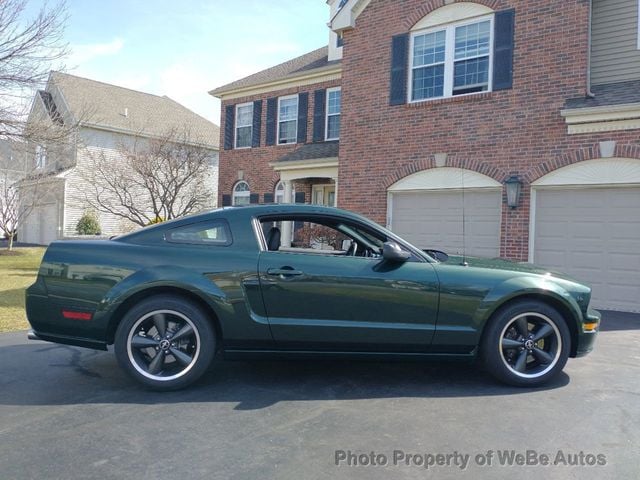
x: 254, y: 198
x: 272, y: 117
x: 319, y: 107
x: 399, y: 59
x: 257, y: 123
x: 226, y: 200
x: 300, y: 197
x: 229, y: 124
x: 303, y: 110
x: 268, y: 198
x: 503, y: 50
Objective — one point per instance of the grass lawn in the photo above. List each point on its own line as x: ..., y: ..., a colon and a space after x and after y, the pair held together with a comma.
x: 17, y: 272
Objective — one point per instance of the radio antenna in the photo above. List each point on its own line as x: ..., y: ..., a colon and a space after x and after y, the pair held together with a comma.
x: 464, y: 225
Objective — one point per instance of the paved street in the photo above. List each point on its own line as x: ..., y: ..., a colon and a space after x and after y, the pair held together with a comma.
x: 71, y: 413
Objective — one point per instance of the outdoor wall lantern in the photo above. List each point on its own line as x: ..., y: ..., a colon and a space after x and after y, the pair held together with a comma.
x: 514, y: 186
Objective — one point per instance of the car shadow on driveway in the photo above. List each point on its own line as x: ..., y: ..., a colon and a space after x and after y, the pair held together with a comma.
x: 615, y: 321
x: 45, y: 374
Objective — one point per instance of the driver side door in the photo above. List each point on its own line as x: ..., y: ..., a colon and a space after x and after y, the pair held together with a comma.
x: 318, y: 298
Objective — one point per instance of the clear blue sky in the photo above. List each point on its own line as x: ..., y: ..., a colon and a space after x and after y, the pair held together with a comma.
x: 185, y: 48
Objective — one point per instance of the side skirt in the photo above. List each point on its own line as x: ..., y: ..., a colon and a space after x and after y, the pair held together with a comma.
x: 239, y: 354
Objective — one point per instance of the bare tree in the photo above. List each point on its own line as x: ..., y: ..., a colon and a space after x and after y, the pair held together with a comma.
x: 29, y: 49
x: 152, y: 180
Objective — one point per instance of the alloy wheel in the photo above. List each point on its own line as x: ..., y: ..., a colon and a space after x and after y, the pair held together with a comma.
x: 530, y: 345
x: 163, y: 345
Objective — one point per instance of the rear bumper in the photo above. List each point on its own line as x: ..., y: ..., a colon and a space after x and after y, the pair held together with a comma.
x: 587, y: 339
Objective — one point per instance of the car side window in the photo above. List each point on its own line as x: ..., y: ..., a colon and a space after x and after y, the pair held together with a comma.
x: 216, y: 233
x: 317, y: 237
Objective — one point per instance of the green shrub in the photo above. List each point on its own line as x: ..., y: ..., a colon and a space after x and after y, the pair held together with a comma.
x: 88, y: 224
x: 155, y: 220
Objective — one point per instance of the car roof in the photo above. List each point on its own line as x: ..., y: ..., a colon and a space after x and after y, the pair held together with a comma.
x: 247, y: 211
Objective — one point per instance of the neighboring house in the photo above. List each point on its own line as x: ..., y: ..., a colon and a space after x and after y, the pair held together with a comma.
x: 108, y: 117
x: 446, y: 109
x: 13, y: 168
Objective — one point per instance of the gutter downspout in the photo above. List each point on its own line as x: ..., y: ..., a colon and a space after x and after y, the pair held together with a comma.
x: 589, y: 93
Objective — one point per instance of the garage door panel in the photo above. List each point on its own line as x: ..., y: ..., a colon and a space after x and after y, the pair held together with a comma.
x: 433, y: 219
x: 594, y: 235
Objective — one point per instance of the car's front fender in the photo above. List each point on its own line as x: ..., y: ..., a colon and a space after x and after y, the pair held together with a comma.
x: 528, y: 286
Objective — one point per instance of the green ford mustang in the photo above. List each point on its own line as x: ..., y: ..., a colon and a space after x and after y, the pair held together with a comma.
x: 301, y: 281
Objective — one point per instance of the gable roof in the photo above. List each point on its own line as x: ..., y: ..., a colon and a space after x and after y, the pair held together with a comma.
x: 120, y: 109
x: 315, y: 62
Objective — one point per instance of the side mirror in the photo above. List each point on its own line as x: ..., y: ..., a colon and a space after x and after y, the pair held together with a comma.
x: 437, y: 254
x: 393, y: 253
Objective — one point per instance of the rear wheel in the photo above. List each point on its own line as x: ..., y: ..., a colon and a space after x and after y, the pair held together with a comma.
x: 526, y: 344
x: 165, y: 343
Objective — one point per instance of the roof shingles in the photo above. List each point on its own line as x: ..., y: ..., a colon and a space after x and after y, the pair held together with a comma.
x: 316, y: 60
x: 109, y: 106
x: 610, y: 94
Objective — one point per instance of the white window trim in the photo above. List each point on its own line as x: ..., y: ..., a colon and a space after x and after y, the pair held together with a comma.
x: 449, y: 56
x: 327, y: 115
x: 236, y: 126
x: 41, y: 157
x: 288, y: 97
x: 275, y: 193
x: 245, y: 193
x: 638, y: 24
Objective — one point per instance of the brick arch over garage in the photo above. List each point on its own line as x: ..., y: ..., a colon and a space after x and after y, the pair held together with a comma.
x: 429, y: 6
x: 485, y: 168
x: 579, y: 155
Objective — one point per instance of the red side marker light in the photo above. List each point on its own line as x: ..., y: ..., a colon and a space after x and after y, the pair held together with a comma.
x: 71, y: 315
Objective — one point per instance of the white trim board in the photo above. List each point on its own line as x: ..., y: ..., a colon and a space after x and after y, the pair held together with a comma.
x: 444, y: 178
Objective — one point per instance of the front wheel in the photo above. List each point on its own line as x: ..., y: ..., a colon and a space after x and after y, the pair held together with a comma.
x: 165, y: 343
x: 526, y: 344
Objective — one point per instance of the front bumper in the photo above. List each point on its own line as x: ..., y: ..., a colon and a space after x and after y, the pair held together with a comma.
x: 587, y: 338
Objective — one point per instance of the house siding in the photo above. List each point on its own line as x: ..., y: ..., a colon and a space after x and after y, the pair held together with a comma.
x: 95, y: 145
x: 615, y: 53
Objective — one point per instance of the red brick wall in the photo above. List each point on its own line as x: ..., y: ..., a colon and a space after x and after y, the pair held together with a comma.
x: 254, y: 162
x: 497, y: 133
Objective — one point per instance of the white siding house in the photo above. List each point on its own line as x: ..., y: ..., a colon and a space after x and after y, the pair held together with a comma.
x: 108, y: 117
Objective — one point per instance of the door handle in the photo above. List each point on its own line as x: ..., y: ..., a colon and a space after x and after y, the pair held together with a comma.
x: 287, y: 272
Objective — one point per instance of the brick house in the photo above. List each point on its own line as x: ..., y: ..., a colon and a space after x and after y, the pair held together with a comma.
x: 419, y: 113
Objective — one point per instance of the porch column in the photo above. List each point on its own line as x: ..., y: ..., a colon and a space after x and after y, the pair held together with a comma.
x: 285, y: 237
x: 335, y: 180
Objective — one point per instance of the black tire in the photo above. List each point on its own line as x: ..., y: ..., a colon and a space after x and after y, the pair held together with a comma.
x: 165, y: 342
x: 526, y: 358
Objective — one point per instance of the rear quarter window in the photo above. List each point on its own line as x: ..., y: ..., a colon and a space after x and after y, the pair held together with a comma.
x: 214, y: 233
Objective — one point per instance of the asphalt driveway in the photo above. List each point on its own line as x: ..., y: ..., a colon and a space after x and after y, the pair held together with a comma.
x: 70, y: 413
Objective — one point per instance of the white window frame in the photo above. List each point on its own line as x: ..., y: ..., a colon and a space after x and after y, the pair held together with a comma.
x: 236, y: 126
x: 41, y: 156
x: 449, y: 56
x: 280, y: 99
x: 242, y: 193
x: 327, y: 115
x: 275, y: 192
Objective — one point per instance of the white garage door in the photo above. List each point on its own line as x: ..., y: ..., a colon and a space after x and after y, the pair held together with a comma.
x: 41, y: 226
x: 48, y: 223
x: 434, y: 219
x: 594, y: 235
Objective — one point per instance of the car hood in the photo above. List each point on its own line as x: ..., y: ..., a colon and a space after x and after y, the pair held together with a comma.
x: 509, y: 265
